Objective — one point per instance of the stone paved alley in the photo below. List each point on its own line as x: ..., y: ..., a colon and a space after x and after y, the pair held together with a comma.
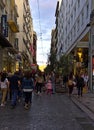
x: 55, y: 112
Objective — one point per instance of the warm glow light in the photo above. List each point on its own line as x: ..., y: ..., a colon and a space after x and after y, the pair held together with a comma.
x: 80, y: 54
x: 42, y: 67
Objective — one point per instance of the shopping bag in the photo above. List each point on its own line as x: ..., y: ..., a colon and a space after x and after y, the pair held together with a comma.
x: 85, y: 89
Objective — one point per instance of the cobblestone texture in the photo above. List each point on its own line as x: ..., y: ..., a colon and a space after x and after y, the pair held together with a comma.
x: 55, y: 112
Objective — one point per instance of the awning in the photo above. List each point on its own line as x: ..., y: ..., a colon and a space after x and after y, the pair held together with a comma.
x: 4, y: 42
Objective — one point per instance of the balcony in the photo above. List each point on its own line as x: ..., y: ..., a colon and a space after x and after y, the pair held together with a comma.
x: 13, y: 26
x: 12, y: 22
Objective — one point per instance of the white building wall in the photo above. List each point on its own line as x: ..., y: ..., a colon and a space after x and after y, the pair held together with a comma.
x: 73, y: 18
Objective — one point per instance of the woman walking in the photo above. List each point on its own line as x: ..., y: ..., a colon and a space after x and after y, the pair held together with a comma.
x: 28, y: 86
x: 80, y: 85
x: 49, y: 86
x: 39, y: 83
x: 4, y: 88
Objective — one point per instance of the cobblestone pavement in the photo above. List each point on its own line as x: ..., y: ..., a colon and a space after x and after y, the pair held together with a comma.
x: 86, y: 103
x: 55, y: 112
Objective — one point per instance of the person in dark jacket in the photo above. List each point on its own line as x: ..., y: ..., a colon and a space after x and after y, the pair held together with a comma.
x: 80, y: 85
x: 28, y: 86
x: 14, y: 83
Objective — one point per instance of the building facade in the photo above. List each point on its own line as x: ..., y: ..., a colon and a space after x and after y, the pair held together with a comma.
x: 25, y: 35
x: 74, y: 15
x: 74, y: 31
x: 16, y: 35
x: 9, y: 28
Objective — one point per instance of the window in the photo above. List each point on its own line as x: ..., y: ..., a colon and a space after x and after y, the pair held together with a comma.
x: 87, y: 10
x: 16, y: 43
x: 66, y: 2
x: 78, y: 3
x: 69, y: 24
x: 71, y: 18
x: 71, y: 2
x: 71, y: 36
x: 66, y: 30
x: 78, y: 25
x: 74, y: 30
x: 82, y: 18
x: 75, y: 11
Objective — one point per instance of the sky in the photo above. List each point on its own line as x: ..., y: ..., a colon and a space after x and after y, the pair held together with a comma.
x: 43, y: 14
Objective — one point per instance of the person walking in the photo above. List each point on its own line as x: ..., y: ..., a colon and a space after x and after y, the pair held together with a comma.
x: 14, y: 83
x: 4, y: 83
x: 80, y: 85
x: 28, y: 86
x: 39, y: 83
x: 49, y: 86
x: 53, y: 82
x: 70, y: 84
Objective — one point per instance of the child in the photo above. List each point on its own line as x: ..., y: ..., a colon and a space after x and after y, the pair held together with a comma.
x: 49, y: 87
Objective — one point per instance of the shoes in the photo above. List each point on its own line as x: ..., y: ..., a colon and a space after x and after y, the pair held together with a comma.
x: 12, y: 106
x: 2, y: 105
x: 26, y: 107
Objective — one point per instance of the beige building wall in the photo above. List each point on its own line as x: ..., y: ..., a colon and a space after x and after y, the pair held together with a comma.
x: 8, y: 8
x: 25, y: 35
x: 20, y: 20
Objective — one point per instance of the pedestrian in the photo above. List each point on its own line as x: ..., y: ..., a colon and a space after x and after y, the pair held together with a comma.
x: 39, y: 83
x: 65, y: 80
x: 53, y: 82
x: 28, y: 86
x: 49, y: 86
x: 80, y: 85
x: 86, y: 78
x: 70, y: 84
x: 9, y: 94
x: 4, y: 83
x: 20, y: 75
x: 14, y: 83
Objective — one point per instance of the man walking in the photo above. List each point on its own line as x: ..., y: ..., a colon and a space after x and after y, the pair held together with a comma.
x: 14, y: 83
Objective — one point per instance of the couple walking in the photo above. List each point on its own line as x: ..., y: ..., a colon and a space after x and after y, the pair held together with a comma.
x: 76, y: 81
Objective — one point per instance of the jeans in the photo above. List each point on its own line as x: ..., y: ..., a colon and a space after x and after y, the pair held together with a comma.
x: 28, y: 97
x: 14, y: 97
x: 39, y: 86
x: 80, y: 91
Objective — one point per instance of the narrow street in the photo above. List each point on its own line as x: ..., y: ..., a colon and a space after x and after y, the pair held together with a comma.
x: 55, y: 112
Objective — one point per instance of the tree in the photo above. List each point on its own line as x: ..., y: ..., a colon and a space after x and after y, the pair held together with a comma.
x: 66, y: 64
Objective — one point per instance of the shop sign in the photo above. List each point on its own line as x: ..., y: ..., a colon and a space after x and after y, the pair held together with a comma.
x: 4, y: 25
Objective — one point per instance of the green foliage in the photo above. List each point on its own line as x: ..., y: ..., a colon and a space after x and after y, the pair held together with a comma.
x: 63, y: 66
x: 66, y: 64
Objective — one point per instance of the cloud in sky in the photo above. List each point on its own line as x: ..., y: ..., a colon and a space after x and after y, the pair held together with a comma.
x: 43, y: 22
